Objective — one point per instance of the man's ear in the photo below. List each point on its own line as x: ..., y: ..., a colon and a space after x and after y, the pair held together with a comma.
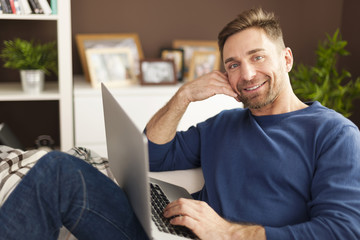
x: 289, y: 59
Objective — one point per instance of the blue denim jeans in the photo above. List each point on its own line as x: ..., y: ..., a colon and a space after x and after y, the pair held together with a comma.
x: 63, y: 190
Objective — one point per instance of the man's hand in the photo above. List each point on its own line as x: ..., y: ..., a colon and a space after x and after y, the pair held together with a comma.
x: 207, y: 224
x: 207, y: 86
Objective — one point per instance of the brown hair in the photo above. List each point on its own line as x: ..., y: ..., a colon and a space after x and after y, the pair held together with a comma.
x: 252, y: 18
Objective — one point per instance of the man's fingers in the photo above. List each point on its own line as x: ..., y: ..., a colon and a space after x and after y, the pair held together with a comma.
x: 181, y: 206
x: 221, y: 82
x: 187, y: 221
x: 215, y: 83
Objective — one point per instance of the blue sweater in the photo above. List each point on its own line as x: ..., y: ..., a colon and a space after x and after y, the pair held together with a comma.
x: 297, y: 174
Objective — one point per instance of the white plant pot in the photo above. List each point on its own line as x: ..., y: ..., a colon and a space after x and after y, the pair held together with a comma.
x: 32, y: 81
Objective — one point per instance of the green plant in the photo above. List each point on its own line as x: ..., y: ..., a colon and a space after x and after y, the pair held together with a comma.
x: 323, y: 82
x: 23, y: 55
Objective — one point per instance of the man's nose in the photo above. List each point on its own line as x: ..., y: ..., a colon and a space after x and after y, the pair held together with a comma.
x: 247, y: 71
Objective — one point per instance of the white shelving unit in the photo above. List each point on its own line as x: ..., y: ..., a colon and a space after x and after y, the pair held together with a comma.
x: 59, y: 91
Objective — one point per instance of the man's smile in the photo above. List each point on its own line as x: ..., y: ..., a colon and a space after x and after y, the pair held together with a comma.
x: 254, y: 87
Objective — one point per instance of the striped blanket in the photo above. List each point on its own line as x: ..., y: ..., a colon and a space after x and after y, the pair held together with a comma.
x: 14, y: 164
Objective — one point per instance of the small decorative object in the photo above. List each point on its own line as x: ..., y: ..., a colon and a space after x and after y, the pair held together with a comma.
x: 203, y: 63
x: 44, y: 142
x: 112, y: 66
x: 32, y: 81
x: 157, y: 72
x: 130, y: 41
x: 33, y: 61
x: 190, y: 47
x: 176, y: 54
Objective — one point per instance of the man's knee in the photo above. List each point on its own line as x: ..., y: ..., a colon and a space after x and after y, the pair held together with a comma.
x: 56, y: 160
x: 61, y: 161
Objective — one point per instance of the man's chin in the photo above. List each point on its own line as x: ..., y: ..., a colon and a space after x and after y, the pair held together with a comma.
x: 255, y: 105
x: 249, y: 103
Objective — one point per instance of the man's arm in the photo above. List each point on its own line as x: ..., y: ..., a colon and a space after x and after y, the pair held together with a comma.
x: 162, y: 126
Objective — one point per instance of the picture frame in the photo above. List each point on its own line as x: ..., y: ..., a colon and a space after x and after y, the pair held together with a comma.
x: 157, y: 72
x: 112, y: 66
x: 203, y: 63
x: 176, y: 54
x: 116, y: 40
x: 190, y: 46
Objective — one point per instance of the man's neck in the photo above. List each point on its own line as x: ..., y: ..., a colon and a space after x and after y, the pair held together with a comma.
x: 280, y: 106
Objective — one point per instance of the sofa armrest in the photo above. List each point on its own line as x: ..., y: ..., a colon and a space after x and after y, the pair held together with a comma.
x: 192, y: 179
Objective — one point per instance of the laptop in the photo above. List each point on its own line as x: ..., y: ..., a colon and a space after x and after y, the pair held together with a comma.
x: 128, y: 160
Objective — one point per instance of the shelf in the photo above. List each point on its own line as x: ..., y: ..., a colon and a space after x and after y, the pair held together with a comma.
x: 14, y: 92
x: 28, y: 17
x: 83, y: 87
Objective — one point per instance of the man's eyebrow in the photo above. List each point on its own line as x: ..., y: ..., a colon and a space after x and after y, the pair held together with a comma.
x: 229, y: 60
x: 255, y: 51
x: 248, y: 53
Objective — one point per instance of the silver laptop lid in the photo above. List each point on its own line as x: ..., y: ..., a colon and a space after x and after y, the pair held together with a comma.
x: 128, y: 157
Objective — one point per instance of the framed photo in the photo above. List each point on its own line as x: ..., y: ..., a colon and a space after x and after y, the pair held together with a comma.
x: 157, y: 72
x: 190, y: 47
x: 203, y: 63
x: 99, y: 41
x: 176, y: 54
x: 112, y: 66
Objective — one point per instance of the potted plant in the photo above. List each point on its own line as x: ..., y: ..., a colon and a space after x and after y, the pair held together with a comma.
x: 33, y: 61
x: 323, y: 82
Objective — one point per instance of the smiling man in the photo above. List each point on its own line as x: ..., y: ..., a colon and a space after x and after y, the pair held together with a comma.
x: 258, y: 71
x: 277, y: 169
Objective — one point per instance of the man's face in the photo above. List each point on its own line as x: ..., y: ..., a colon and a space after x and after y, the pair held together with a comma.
x: 257, y: 67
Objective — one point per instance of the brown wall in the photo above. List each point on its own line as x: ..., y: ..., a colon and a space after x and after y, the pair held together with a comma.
x: 159, y: 22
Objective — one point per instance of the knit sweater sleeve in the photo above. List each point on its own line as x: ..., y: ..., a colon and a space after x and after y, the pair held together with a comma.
x: 335, y: 206
x: 183, y: 152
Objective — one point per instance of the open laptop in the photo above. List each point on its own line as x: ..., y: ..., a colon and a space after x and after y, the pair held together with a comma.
x: 128, y: 160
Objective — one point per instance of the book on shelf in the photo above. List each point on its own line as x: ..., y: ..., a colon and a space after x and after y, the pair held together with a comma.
x: 53, y: 4
x: 12, y: 5
x: 8, y: 138
x: 45, y: 6
x: 25, y: 7
x: 34, y: 7
x: 6, y: 7
x: 17, y: 7
x: 41, y: 10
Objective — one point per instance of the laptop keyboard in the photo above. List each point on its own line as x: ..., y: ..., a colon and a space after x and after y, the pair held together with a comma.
x: 158, y: 202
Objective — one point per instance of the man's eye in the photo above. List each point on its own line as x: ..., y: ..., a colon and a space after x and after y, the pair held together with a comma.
x: 232, y: 66
x: 258, y: 58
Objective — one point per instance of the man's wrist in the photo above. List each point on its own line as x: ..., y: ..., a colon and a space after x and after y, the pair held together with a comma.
x: 247, y: 232
x: 181, y: 97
